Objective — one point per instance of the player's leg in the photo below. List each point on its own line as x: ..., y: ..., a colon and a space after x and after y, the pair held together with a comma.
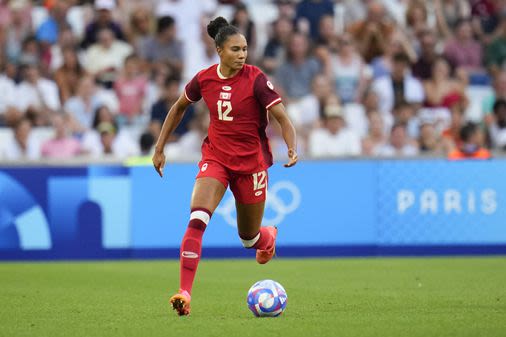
x: 207, y: 194
x: 252, y: 234
x: 250, y: 194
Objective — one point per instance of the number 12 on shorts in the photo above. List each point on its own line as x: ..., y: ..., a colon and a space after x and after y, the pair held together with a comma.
x: 259, y: 180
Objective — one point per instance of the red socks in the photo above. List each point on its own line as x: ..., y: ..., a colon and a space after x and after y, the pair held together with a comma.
x: 263, y: 240
x: 191, y: 247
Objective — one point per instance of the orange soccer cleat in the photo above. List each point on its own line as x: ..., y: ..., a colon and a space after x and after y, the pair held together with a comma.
x: 265, y: 255
x: 181, y: 302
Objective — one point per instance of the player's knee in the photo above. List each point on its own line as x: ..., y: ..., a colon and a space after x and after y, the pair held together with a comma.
x: 249, y: 242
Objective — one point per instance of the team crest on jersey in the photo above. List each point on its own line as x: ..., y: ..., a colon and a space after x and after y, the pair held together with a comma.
x: 204, y: 167
x: 269, y: 84
x: 226, y: 88
x: 225, y: 95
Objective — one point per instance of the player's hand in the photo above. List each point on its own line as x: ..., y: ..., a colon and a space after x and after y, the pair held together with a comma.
x: 292, y: 158
x: 159, y: 162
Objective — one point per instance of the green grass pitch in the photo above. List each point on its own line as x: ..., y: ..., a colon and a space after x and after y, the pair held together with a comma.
x: 326, y: 297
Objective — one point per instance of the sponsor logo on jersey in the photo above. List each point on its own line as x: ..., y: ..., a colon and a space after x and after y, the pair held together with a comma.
x: 204, y: 167
x: 258, y: 193
x: 269, y: 84
x: 190, y: 255
x: 225, y: 95
x: 226, y: 88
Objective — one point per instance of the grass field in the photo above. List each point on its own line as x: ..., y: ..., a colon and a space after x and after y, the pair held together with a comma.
x: 326, y: 297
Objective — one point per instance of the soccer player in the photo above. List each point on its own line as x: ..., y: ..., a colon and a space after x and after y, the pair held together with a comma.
x: 236, y: 151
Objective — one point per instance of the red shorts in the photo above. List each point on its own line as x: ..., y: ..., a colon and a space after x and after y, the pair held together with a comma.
x: 247, y: 188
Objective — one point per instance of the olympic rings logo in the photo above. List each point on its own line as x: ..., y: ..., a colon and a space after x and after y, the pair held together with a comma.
x: 275, y: 201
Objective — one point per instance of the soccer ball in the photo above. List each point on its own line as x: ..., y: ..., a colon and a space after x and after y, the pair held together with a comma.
x: 267, y: 298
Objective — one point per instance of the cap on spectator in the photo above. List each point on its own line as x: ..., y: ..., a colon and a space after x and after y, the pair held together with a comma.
x: 333, y: 110
x: 105, y: 4
x: 106, y: 127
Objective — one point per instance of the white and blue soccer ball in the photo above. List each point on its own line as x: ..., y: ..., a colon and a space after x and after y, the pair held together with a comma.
x: 267, y: 298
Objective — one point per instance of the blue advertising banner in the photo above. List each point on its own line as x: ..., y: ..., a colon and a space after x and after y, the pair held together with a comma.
x: 321, y: 208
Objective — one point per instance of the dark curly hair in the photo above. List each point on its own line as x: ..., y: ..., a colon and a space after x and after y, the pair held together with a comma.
x: 219, y: 29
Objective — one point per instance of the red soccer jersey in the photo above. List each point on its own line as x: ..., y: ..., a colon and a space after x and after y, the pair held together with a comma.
x: 238, y: 110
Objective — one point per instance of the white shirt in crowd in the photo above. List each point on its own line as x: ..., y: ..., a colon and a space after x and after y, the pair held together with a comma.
x: 323, y: 144
x: 123, y: 145
x: 11, y: 150
x: 8, y: 93
x: 387, y: 150
x: 98, y: 58
x: 413, y: 92
x: 44, y: 92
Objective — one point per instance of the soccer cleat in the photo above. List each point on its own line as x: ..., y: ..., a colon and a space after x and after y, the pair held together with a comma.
x: 181, y: 302
x: 265, y: 255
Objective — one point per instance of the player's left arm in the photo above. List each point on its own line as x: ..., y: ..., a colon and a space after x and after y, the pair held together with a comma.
x: 287, y: 130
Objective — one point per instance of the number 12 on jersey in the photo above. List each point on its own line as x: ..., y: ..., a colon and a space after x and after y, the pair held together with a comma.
x: 224, y: 108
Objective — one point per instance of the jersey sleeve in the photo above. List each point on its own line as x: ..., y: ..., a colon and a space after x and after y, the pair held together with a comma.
x: 192, y: 90
x: 264, y: 92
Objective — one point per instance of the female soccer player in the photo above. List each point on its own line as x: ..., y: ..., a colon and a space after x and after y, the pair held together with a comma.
x: 236, y: 151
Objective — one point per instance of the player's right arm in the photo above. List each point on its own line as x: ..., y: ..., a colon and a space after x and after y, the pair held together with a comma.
x: 171, y: 122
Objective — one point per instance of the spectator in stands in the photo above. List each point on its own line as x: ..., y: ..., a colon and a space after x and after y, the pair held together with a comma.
x: 295, y: 75
x: 18, y: 28
x: 462, y: 50
x: 382, y: 65
x: 333, y: 140
x: 146, y: 142
x: 140, y: 28
x: 57, y: 20
x: 348, y: 71
x: 8, y: 112
x: 398, y: 87
x: 306, y: 112
x: 37, y: 96
x: 373, y: 33
x: 161, y: 108
x: 327, y: 35
x: 448, y: 13
x: 428, y: 141
x: 375, y: 138
x: 451, y: 136
x: 497, y: 125
x: 130, y: 88
x: 486, y: 16
x: 422, y: 69
x: 105, y: 59
x: 164, y: 46
x: 83, y: 105
x: 22, y: 145
x: 67, y: 76
x: 242, y: 20
x: 189, y: 144
x: 472, y: 144
x: 106, y: 139
x: 441, y: 90
x: 400, y: 144
x: 309, y: 13
x: 495, y: 53
x: 286, y: 9
x: 66, y: 40
x: 275, y: 49
x: 499, y: 92
x: 416, y: 18
x: 62, y: 145
x: 405, y: 113
x: 103, y: 19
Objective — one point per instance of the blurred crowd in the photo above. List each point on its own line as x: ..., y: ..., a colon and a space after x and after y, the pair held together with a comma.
x: 379, y: 78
